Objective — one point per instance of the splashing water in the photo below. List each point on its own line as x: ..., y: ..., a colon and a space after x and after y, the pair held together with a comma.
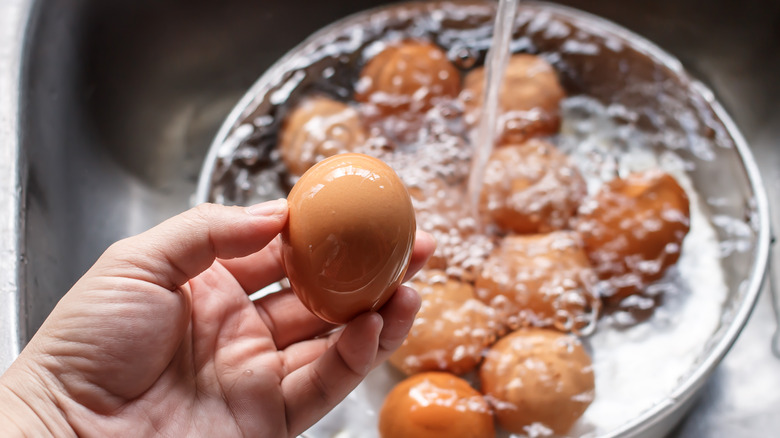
x: 495, y: 65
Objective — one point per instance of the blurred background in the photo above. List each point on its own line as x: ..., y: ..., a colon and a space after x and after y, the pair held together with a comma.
x: 120, y: 101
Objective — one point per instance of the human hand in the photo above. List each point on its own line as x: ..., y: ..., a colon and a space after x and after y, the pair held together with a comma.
x: 159, y: 337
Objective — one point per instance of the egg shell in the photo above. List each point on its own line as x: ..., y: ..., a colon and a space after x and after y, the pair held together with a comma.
x: 543, y: 280
x: 349, y: 237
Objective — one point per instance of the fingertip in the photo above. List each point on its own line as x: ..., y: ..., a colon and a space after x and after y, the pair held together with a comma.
x: 376, y: 322
x: 369, y: 322
x: 276, y: 208
x: 424, y: 246
x: 425, y: 243
x: 411, y: 300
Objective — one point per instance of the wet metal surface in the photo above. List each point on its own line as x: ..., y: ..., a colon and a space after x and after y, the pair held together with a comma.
x: 12, y: 17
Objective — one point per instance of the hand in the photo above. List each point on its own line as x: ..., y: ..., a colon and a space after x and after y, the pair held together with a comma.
x: 160, y: 338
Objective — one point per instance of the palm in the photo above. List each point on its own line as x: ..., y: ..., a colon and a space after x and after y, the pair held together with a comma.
x: 211, y: 387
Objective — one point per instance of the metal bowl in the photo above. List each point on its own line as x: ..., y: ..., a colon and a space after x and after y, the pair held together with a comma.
x: 595, y: 58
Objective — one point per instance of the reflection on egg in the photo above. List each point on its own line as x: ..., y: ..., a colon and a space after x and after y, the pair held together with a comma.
x: 349, y: 237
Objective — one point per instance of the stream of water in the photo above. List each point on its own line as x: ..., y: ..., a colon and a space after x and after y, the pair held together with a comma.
x: 495, y: 65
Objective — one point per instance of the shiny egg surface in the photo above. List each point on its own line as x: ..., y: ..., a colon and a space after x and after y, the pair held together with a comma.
x: 349, y: 237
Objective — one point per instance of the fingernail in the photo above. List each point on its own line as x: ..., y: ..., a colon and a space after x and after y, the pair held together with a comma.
x: 269, y: 208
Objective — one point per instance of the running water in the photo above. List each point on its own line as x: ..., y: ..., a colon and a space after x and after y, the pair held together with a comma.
x: 495, y: 65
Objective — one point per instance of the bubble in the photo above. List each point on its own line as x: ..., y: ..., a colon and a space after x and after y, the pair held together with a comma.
x: 463, y: 57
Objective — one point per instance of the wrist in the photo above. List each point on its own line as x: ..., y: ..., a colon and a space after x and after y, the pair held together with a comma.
x: 27, y: 407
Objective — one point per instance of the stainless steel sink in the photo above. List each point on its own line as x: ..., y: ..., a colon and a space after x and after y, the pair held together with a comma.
x: 107, y: 110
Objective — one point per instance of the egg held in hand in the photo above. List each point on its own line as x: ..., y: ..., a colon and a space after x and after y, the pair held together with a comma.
x: 348, y: 240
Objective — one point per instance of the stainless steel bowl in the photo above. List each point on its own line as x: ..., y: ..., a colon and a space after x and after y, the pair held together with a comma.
x: 626, y: 69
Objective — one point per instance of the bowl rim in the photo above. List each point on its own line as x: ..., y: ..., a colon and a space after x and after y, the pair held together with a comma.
x: 674, y: 404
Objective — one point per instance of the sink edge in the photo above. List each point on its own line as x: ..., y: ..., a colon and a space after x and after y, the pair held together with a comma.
x: 14, y: 16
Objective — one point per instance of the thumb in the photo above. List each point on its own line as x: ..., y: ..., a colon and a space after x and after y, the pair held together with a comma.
x: 182, y: 247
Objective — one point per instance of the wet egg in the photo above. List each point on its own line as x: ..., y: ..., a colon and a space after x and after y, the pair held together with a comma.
x: 409, y: 76
x: 529, y: 99
x: 531, y: 188
x: 348, y: 240
x: 441, y: 210
x: 451, y: 330
x: 538, y: 376
x: 435, y: 405
x: 317, y: 128
x: 542, y: 280
x: 633, y: 230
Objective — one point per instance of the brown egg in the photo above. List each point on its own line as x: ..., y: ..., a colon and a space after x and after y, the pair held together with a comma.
x: 531, y: 188
x: 435, y: 405
x: 542, y: 280
x: 410, y: 76
x: 633, y: 230
x: 528, y: 100
x: 451, y: 330
x: 538, y: 376
x: 319, y: 127
x: 349, y: 236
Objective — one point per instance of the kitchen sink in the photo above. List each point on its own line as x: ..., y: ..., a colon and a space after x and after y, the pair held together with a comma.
x: 117, y: 103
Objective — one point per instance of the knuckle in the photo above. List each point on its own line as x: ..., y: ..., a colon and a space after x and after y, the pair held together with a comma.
x: 119, y: 249
x: 203, y: 212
